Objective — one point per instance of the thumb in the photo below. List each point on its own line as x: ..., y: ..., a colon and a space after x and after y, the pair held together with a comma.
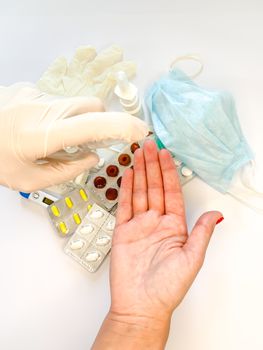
x: 201, y: 234
x: 56, y: 172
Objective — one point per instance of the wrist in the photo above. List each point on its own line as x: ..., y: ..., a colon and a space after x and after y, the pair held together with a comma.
x: 128, y: 331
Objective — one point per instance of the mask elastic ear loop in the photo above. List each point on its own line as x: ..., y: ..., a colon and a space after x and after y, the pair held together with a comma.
x: 189, y: 58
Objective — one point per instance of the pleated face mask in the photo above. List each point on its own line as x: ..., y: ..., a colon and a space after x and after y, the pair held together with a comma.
x: 200, y: 127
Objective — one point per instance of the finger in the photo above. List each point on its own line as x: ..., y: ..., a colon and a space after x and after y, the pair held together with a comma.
x: 54, y: 172
x: 154, y: 177
x: 198, y: 241
x: 95, y: 127
x: 51, y: 80
x: 73, y: 106
x: 173, y: 197
x: 82, y: 56
x: 139, y: 195
x: 128, y: 67
x: 103, y: 60
x: 124, y: 212
x: 105, y: 83
x: 47, y: 134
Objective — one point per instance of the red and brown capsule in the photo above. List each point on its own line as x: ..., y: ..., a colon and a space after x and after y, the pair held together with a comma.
x: 124, y: 159
x: 134, y: 146
x: 111, y: 194
x: 112, y: 170
x: 99, y: 182
x: 119, y: 181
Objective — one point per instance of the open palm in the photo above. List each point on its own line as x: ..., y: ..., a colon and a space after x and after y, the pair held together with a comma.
x: 153, y: 260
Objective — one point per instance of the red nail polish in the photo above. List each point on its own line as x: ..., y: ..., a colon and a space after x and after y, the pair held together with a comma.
x: 219, y: 220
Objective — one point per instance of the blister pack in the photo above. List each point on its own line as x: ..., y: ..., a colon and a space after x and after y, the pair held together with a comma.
x: 92, y: 240
x: 105, y: 184
x: 68, y: 212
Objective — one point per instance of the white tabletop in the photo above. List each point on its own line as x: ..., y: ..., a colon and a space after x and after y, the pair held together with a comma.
x: 48, y: 301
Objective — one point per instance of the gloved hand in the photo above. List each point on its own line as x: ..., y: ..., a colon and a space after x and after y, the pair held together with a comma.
x: 34, y: 125
x: 88, y: 74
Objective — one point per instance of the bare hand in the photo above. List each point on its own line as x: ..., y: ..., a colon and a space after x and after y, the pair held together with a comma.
x: 154, y: 261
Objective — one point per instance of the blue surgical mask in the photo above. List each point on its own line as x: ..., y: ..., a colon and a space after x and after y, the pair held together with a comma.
x: 200, y: 127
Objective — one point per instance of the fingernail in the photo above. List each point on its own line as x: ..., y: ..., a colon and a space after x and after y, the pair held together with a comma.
x: 219, y: 220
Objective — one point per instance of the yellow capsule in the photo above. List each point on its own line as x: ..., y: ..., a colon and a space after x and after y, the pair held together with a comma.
x: 63, y: 227
x: 55, y: 210
x: 89, y: 207
x: 83, y: 194
x: 77, y: 218
x: 69, y: 202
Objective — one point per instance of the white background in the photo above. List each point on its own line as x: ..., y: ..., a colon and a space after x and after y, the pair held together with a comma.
x: 47, y: 301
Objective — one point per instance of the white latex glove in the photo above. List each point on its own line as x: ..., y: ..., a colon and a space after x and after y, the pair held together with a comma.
x: 33, y: 126
x: 88, y: 74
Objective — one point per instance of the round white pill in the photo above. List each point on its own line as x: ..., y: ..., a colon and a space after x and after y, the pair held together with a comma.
x: 177, y: 162
x: 104, y: 240
x: 80, y: 179
x: 101, y: 163
x: 86, y: 229
x: 78, y: 244
x: 92, y: 256
x: 97, y: 214
x: 110, y: 225
x: 186, y: 171
x: 35, y: 195
x: 71, y: 149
